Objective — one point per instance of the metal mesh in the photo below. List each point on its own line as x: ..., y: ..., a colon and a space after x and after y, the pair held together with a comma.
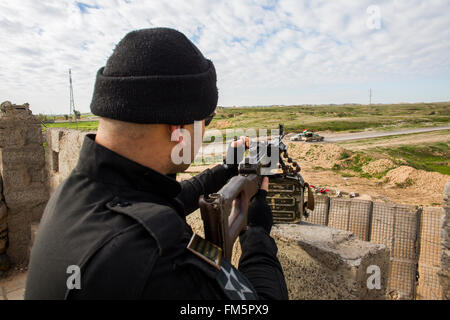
x: 320, y: 213
x: 430, y: 254
x: 339, y: 213
x: 430, y: 237
x: 405, y: 233
x: 429, y: 287
x: 359, y: 222
x: 402, y: 279
x: 351, y: 215
x: 397, y: 227
x: 382, y: 224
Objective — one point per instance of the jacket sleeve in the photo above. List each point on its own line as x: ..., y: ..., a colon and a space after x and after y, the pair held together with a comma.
x: 259, y: 263
x: 209, y: 181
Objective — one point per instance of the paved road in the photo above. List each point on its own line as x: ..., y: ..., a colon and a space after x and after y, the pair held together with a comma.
x: 376, y: 134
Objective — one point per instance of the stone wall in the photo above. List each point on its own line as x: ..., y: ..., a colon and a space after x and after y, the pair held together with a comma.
x: 4, y: 261
x: 320, y: 262
x: 61, y: 153
x: 22, y: 169
x: 444, y: 273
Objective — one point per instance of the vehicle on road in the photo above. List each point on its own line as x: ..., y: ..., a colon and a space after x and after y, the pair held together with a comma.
x: 307, y: 136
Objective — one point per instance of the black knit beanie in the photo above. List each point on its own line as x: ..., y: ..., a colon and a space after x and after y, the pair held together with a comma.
x: 156, y: 76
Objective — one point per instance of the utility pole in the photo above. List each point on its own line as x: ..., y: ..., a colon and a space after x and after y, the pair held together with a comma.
x: 370, y: 96
x: 72, y: 103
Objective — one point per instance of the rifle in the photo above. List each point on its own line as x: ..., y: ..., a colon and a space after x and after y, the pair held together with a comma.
x: 224, y: 213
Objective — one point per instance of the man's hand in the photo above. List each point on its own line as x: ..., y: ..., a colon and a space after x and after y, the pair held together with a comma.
x: 259, y: 211
x: 235, y: 152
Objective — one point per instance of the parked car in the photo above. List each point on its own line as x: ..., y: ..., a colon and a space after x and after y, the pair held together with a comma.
x: 307, y: 136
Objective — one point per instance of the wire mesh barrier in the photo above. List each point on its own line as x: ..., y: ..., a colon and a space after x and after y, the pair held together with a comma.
x: 403, y: 229
x: 320, y: 213
x: 396, y: 227
x: 429, y: 286
x: 351, y: 215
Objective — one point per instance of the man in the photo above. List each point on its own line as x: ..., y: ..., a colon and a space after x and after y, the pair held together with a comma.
x: 116, y: 228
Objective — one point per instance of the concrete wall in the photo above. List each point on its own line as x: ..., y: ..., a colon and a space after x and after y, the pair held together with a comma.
x: 4, y: 260
x: 22, y: 169
x: 320, y: 262
x: 61, y: 153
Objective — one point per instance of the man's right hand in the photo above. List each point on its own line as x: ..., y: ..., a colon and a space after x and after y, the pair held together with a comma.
x: 259, y: 211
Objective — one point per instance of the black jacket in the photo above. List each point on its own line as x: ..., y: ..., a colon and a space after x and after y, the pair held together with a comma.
x: 123, y: 225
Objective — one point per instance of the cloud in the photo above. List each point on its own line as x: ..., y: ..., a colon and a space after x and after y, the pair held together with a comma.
x: 265, y: 52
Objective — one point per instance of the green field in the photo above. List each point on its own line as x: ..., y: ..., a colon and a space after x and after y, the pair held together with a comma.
x: 337, y: 118
x: 429, y: 157
x: 82, y: 125
x: 349, y: 118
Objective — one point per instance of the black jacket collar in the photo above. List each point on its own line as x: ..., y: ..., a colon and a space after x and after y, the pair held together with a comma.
x: 104, y: 165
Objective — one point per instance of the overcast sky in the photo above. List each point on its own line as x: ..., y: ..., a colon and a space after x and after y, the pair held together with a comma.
x: 265, y: 52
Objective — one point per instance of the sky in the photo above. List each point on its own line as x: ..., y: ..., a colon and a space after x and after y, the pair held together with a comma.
x: 269, y: 52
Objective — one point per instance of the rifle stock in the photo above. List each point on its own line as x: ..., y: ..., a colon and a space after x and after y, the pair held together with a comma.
x: 225, y: 213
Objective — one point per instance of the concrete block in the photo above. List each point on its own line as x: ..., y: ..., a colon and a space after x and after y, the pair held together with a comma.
x: 17, y: 178
x: 19, y: 240
x: 23, y: 157
x: 324, y: 263
x: 34, y: 134
x: 35, y: 195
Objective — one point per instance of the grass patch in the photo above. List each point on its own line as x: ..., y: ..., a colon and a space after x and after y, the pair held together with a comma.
x: 353, y: 163
x: 344, y: 155
x: 428, y: 157
x: 81, y: 125
x: 346, y: 174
